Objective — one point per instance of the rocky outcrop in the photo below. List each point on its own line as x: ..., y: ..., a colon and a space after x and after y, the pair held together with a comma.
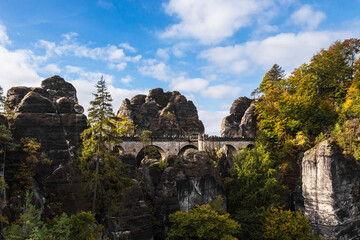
x: 52, y: 115
x: 163, y: 113
x: 183, y: 184
x: 331, y: 192
x: 242, y: 119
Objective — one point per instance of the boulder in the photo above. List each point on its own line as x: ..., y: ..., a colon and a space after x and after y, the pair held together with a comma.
x: 331, y: 192
x: 33, y: 102
x: 163, y: 113
x: 57, y: 87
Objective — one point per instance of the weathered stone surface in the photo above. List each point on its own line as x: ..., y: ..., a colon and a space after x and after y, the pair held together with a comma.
x: 52, y: 115
x: 57, y: 87
x: 16, y: 94
x: 192, y: 180
x: 135, y: 216
x: 247, y: 126
x: 331, y: 192
x: 242, y: 119
x: 33, y: 102
x: 163, y: 113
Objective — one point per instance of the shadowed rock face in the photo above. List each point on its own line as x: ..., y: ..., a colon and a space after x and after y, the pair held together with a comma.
x: 52, y: 115
x: 185, y: 183
x: 162, y: 113
x: 331, y: 192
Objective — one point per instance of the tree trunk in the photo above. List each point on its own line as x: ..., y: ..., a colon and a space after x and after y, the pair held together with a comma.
x: 95, y: 185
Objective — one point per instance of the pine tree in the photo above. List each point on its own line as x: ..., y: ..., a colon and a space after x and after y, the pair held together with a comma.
x: 272, y: 78
x: 103, y: 173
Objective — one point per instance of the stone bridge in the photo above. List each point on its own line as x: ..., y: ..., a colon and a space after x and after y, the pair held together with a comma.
x: 177, y: 146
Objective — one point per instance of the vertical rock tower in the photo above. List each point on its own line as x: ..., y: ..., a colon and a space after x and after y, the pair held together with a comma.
x: 163, y: 113
x: 242, y: 119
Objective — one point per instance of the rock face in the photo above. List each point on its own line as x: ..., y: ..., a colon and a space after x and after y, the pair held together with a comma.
x: 331, y: 192
x: 242, y: 119
x: 163, y: 113
x: 135, y: 222
x: 52, y: 115
x: 185, y: 183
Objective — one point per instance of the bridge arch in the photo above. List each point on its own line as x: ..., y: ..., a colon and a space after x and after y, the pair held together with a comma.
x: 186, y: 147
x: 118, y: 149
x: 250, y: 146
x: 150, y: 149
x: 230, y: 150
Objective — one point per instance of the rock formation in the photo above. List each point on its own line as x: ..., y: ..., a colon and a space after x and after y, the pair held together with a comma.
x: 331, y: 192
x: 193, y: 179
x: 242, y: 119
x: 163, y: 113
x: 52, y: 115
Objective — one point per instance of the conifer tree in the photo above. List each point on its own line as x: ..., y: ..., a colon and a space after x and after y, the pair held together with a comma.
x: 103, y: 173
x: 272, y: 78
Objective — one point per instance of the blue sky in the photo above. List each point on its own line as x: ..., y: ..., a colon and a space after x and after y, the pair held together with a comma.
x: 212, y: 51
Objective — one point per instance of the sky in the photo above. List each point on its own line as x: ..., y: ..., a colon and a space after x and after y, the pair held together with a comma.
x: 212, y: 51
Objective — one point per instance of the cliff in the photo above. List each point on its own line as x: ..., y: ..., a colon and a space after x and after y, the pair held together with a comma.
x: 331, y: 192
x: 163, y: 113
x: 242, y: 119
x: 53, y: 116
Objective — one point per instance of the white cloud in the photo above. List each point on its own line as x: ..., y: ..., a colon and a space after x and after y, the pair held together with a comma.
x: 74, y: 72
x: 189, y: 84
x: 17, y: 69
x: 162, y: 53
x: 119, y: 95
x: 50, y: 69
x: 84, y: 82
x: 156, y: 69
x: 212, y: 120
x: 127, y: 47
x: 111, y: 54
x: 211, y: 21
x: 179, y: 49
x: 127, y: 79
x: 119, y: 66
x: 307, y: 17
x: 289, y: 50
x: 4, y: 39
x: 221, y: 91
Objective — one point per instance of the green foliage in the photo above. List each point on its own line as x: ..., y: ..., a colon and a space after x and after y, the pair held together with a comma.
x: 161, y: 164
x: 271, y: 79
x: 84, y: 227
x: 33, y: 152
x: 218, y: 205
x: 29, y: 225
x: 254, y: 188
x: 202, y: 222
x: 351, y: 108
x: 145, y: 137
x: 6, y: 140
x: 151, y: 152
x: 105, y: 176
x: 321, y: 137
x: 34, y: 156
x: 81, y: 226
x: 346, y: 134
x: 287, y: 225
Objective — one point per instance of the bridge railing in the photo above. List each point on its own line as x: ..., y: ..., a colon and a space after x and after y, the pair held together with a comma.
x: 189, y: 138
